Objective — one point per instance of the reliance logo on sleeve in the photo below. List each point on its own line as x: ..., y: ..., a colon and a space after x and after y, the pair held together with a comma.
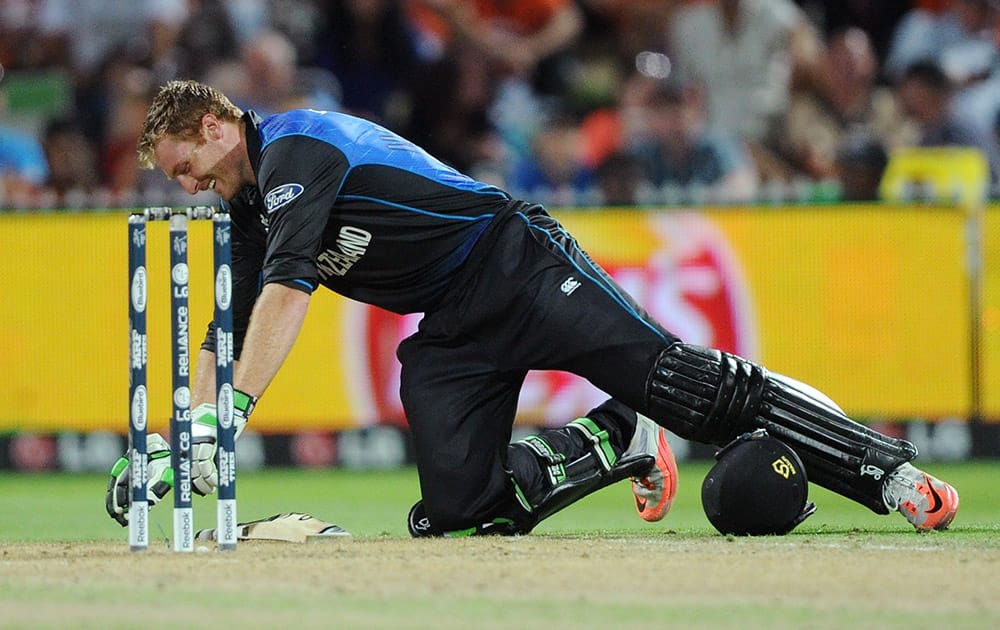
x: 282, y: 195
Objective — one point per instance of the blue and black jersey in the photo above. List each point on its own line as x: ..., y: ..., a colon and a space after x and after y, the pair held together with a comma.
x: 344, y: 203
x: 504, y: 289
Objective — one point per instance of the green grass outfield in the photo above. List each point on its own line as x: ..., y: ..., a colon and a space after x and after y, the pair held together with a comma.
x: 70, y: 507
x: 64, y: 563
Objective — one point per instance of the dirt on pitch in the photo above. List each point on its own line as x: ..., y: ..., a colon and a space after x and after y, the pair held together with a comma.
x: 481, y: 582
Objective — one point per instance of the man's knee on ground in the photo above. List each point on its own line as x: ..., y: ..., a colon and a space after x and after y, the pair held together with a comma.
x: 508, y: 519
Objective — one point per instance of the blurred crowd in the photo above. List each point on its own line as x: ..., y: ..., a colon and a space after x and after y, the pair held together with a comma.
x: 567, y: 102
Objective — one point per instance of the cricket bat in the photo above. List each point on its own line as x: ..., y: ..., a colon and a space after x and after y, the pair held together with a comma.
x: 288, y: 527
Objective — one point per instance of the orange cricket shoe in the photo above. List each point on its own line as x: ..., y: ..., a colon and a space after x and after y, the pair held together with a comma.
x: 925, y: 501
x: 655, y: 492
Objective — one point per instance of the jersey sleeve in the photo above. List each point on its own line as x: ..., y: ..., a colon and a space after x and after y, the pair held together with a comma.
x: 299, y: 179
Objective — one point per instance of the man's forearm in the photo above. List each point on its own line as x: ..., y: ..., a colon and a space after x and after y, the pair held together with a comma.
x: 203, y: 388
x: 274, y: 326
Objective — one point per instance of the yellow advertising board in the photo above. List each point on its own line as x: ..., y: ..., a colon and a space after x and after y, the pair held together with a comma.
x: 868, y: 303
x: 990, y: 326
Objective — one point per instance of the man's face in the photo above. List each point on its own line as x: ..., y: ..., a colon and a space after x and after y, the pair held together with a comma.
x: 205, y: 161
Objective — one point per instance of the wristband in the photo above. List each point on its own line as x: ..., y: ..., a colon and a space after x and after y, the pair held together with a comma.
x: 244, y: 403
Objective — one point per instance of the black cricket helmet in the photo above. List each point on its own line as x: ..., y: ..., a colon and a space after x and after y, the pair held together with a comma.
x: 757, y: 487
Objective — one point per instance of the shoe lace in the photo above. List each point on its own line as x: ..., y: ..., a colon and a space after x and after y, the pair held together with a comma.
x: 903, y: 486
x: 645, y: 482
x: 896, y: 486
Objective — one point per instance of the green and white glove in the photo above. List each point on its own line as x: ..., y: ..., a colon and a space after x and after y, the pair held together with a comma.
x: 159, y: 479
x: 204, y: 425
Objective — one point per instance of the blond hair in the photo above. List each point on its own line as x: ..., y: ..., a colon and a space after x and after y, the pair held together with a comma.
x: 176, y: 111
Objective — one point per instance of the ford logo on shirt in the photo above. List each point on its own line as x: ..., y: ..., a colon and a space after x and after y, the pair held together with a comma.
x: 282, y: 195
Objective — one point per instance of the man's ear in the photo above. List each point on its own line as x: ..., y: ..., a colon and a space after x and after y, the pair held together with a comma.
x: 211, y: 126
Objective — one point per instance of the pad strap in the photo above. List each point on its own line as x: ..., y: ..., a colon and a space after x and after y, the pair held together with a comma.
x: 710, y: 396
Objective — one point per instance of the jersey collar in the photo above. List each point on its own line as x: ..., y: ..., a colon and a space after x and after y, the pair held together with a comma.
x: 252, y: 122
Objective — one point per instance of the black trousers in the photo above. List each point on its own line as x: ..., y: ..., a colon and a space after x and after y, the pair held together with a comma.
x: 528, y: 299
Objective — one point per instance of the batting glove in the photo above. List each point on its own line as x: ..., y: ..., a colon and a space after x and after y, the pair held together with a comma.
x: 159, y: 479
x: 204, y: 472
